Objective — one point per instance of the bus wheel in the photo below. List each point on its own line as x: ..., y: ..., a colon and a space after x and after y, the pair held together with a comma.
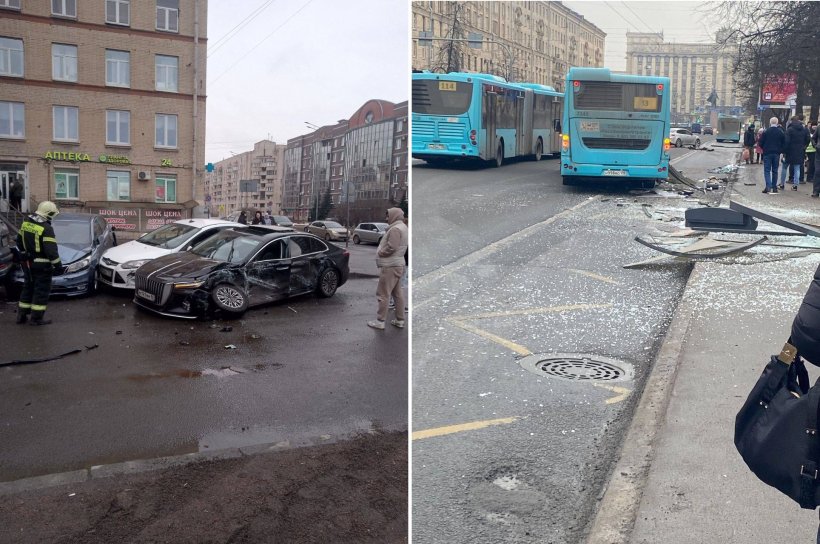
x: 499, y: 156
x: 539, y: 150
x: 567, y: 180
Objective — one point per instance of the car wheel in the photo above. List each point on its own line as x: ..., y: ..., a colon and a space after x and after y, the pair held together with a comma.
x: 539, y: 150
x: 499, y: 156
x: 230, y: 299
x: 306, y: 229
x: 93, y: 285
x: 327, y: 237
x: 356, y: 239
x: 328, y: 283
x: 678, y: 143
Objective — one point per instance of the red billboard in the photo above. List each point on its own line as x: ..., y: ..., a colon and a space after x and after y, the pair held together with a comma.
x: 778, y: 89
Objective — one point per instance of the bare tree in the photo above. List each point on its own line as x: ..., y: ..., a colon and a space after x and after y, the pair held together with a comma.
x: 451, y: 54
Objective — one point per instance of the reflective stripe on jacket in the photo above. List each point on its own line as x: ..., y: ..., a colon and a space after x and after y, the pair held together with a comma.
x: 37, y: 240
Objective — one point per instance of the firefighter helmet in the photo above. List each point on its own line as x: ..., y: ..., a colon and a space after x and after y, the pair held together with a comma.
x: 47, y: 210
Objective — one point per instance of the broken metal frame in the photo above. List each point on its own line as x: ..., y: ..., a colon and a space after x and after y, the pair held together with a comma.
x: 799, y: 227
x: 690, y: 255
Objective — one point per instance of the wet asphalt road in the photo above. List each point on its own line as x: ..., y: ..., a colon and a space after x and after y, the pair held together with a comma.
x: 516, y: 265
x: 301, y: 370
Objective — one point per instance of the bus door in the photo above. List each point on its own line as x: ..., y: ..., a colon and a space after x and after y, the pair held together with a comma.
x: 489, y: 113
x: 556, y: 110
x: 523, y: 129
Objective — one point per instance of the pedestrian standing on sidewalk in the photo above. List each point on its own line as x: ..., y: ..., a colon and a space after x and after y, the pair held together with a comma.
x: 810, y: 152
x: 771, y: 142
x: 749, y: 143
x: 390, y: 260
x: 758, y: 149
x: 794, y: 150
x: 815, y: 192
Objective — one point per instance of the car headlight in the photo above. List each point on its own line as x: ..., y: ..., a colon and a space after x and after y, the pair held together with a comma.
x: 77, y: 266
x: 134, y: 264
x: 188, y: 285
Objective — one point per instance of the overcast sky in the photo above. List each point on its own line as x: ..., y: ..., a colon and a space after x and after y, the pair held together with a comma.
x: 274, y: 64
x: 680, y: 22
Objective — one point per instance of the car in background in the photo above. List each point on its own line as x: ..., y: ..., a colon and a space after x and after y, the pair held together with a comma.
x: 695, y: 128
x: 118, y: 265
x: 7, y: 263
x: 369, y: 232
x: 680, y: 137
x: 328, y: 230
x: 707, y: 129
x: 240, y: 268
x: 82, y: 240
x: 281, y: 221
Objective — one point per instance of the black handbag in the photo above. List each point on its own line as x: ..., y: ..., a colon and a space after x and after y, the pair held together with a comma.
x: 776, y: 429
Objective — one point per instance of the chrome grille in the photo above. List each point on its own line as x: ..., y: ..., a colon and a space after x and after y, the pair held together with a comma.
x: 155, y: 287
x: 615, y: 143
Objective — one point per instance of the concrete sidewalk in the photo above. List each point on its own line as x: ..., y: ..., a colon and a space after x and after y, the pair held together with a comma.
x: 680, y: 479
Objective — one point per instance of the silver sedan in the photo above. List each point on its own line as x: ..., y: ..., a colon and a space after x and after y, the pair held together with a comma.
x: 680, y: 137
x: 369, y: 232
x: 327, y: 230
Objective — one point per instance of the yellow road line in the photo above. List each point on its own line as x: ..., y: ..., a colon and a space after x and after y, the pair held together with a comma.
x: 595, y: 276
x: 472, y: 426
x: 530, y: 311
x: 521, y: 350
x: 622, y: 392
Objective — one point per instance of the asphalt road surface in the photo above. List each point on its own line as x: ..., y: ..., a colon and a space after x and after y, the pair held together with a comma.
x: 531, y: 342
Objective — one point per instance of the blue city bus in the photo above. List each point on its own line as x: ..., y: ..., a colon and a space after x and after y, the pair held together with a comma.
x: 728, y: 129
x: 616, y: 127
x: 483, y: 117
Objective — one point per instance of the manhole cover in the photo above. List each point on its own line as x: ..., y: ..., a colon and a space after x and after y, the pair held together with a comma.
x: 577, y: 367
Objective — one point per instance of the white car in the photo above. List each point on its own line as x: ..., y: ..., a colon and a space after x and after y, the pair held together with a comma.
x: 119, y: 264
x: 680, y: 137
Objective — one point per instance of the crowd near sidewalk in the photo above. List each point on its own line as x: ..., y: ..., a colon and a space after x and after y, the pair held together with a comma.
x: 790, y: 150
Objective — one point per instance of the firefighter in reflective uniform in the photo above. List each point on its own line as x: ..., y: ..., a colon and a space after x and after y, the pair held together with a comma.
x: 39, y: 260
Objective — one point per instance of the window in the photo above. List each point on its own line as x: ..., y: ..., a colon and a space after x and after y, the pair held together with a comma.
x: 118, y: 12
x: 166, y: 131
x: 166, y: 189
x: 66, y: 121
x: 117, y: 68
x: 67, y: 184
x: 167, y: 73
x: 397, y: 161
x: 12, y: 120
x: 399, y: 125
x: 11, y: 57
x: 13, y: 4
x: 63, y: 62
x: 398, y: 143
x: 119, y: 185
x: 118, y: 127
x: 168, y: 15
x: 65, y: 8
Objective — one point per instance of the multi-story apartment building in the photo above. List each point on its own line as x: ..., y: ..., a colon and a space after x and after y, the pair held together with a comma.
x: 361, y: 163
x: 102, y: 106
x: 528, y: 41
x: 696, y: 71
x: 249, y: 181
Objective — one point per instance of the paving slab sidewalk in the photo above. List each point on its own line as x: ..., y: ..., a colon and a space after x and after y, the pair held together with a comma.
x: 691, y: 484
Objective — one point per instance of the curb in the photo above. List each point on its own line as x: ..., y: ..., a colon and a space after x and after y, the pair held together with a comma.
x: 621, y: 498
x: 138, y: 466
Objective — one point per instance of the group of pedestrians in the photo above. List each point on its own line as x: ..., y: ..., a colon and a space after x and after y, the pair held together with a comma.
x: 789, y: 149
x: 259, y: 218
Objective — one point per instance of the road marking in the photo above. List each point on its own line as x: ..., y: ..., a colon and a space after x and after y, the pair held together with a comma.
x: 622, y: 392
x: 472, y: 426
x: 521, y: 350
x: 678, y: 159
x: 593, y: 275
x: 472, y: 258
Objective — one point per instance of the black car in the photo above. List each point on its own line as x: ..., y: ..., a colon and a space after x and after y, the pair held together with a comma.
x: 239, y: 268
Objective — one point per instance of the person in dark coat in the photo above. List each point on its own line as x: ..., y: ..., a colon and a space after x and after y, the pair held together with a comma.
x: 258, y: 219
x: 242, y: 218
x: 806, y: 326
x: 16, y: 194
x: 771, y: 142
x: 794, y: 149
x: 815, y: 192
x: 749, y: 142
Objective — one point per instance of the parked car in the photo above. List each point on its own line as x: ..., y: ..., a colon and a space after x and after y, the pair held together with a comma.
x: 328, y: 230
x: 7, y: 263
x: 695, y: 128
x: 681, y: 136
x: 240, y: 268
x: 281, y: 221
x: 369, y: 232
x: 119, y: 264
x: 82, y: 240
x: 707, y: 129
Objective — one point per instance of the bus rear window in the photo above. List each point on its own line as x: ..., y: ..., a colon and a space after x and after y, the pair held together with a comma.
x: 438, y: 97
x: 604, y: 95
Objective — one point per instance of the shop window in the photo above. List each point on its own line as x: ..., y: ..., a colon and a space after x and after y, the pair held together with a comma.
x: 166, y: 189
x: 67, y: 184
x: 119, y: 186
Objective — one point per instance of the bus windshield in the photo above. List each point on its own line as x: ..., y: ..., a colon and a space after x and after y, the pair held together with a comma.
x: 437, y: 97
x: 614, y: 96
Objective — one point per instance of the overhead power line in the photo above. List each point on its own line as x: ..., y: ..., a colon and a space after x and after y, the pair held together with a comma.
x: 242, y: 24
x: 638, y: 16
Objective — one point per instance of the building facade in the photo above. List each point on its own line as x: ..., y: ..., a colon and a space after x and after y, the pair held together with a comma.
x: 534, y: 41
x: 102, y: 106
x: 361, y: 163
x: 696, y: 71
x: 247, y: 181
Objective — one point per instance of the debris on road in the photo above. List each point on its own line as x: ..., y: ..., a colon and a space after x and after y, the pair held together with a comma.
x: 230, y: 346
x: 728, y: 169
x: 41, y: 359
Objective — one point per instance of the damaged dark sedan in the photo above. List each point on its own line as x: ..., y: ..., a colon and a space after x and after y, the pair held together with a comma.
x: 240, y: 268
